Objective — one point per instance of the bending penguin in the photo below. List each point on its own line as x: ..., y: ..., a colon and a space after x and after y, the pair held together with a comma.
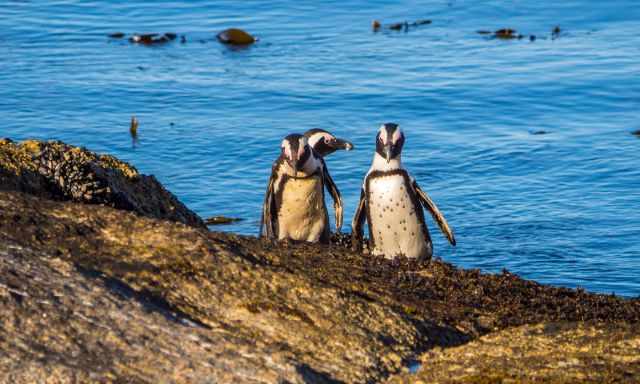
x: 294, y: 207
x: 324, y: 143
x: 391, y: 202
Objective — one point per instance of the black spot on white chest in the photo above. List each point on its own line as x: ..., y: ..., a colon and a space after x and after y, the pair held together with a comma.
x: 390, y: 202
x: 396, y: 225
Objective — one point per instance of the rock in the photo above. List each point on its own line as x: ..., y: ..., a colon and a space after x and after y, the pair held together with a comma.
x: 55, y: 170
x: 234, y: 36
x: 218, y: 220
x: 91, y: 293
x: 566, y: 352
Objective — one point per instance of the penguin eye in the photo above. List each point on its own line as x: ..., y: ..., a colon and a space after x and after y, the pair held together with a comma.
x: 327, y: 140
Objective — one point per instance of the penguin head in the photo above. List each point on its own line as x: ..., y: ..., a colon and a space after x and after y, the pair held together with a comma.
x: 296, y: 151
x: 389, y: 141
x: 325, y: 143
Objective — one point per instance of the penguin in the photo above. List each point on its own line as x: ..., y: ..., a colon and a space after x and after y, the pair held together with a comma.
x: 324, y: 143
x: 294, y: 207
x: 391, y: 202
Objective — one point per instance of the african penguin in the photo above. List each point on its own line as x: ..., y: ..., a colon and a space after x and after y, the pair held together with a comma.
x: 294, y: 207
x: 324, y: 143
x: 391, y: 202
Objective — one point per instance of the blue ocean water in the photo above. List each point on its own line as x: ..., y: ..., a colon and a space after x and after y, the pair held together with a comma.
x: 561, y: 208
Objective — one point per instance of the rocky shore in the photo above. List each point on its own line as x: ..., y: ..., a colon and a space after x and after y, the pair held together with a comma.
x: 95, y: 289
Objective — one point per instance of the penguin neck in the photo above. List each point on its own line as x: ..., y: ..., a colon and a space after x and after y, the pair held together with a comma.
x: 379, y: 163
x: 308, y: 168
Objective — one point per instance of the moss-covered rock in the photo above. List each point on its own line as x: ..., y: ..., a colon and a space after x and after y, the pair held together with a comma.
x: 59, y: 171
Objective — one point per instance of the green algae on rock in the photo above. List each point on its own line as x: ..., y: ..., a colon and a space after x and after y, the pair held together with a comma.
x: 59, y: 171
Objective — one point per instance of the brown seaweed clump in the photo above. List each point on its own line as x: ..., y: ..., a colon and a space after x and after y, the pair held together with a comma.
x: 152, y: 38
x: 235, y: 36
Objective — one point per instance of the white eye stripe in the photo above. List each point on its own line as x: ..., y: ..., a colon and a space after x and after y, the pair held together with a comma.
x: 396, y: 135
x: 383, y: 134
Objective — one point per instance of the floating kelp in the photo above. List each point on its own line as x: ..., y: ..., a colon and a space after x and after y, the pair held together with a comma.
x: 405, y: 25
x: 509, y: 34
x: 235, y: 36
x: 133, y: 128
x: 152, y: 38
x: 506, y: 33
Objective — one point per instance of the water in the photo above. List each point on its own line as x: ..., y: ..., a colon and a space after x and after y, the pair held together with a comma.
x: 561, y: 208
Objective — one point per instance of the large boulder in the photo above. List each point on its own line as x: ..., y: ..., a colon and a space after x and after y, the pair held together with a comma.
x: 59, y: 171
x: 90, y: 293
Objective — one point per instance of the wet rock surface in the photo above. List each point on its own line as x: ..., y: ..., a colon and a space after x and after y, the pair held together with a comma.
x: 94, y: 293
x: 55, y: 170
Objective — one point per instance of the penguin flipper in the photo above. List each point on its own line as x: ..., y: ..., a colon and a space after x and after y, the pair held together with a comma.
x: 438, y: 217
x: 335, y: 194
x: 358, y: 223
x: 266, y: 221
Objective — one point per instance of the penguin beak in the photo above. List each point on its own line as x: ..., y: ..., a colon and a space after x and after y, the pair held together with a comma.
x: 387, y: 152
x: 342, y: 144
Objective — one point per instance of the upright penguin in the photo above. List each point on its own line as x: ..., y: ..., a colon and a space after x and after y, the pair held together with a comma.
x: 392, y: 202
x: 294, y: 206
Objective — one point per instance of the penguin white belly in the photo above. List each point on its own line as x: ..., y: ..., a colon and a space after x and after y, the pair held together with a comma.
x: 396, y: 227
x: 302, y: 214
